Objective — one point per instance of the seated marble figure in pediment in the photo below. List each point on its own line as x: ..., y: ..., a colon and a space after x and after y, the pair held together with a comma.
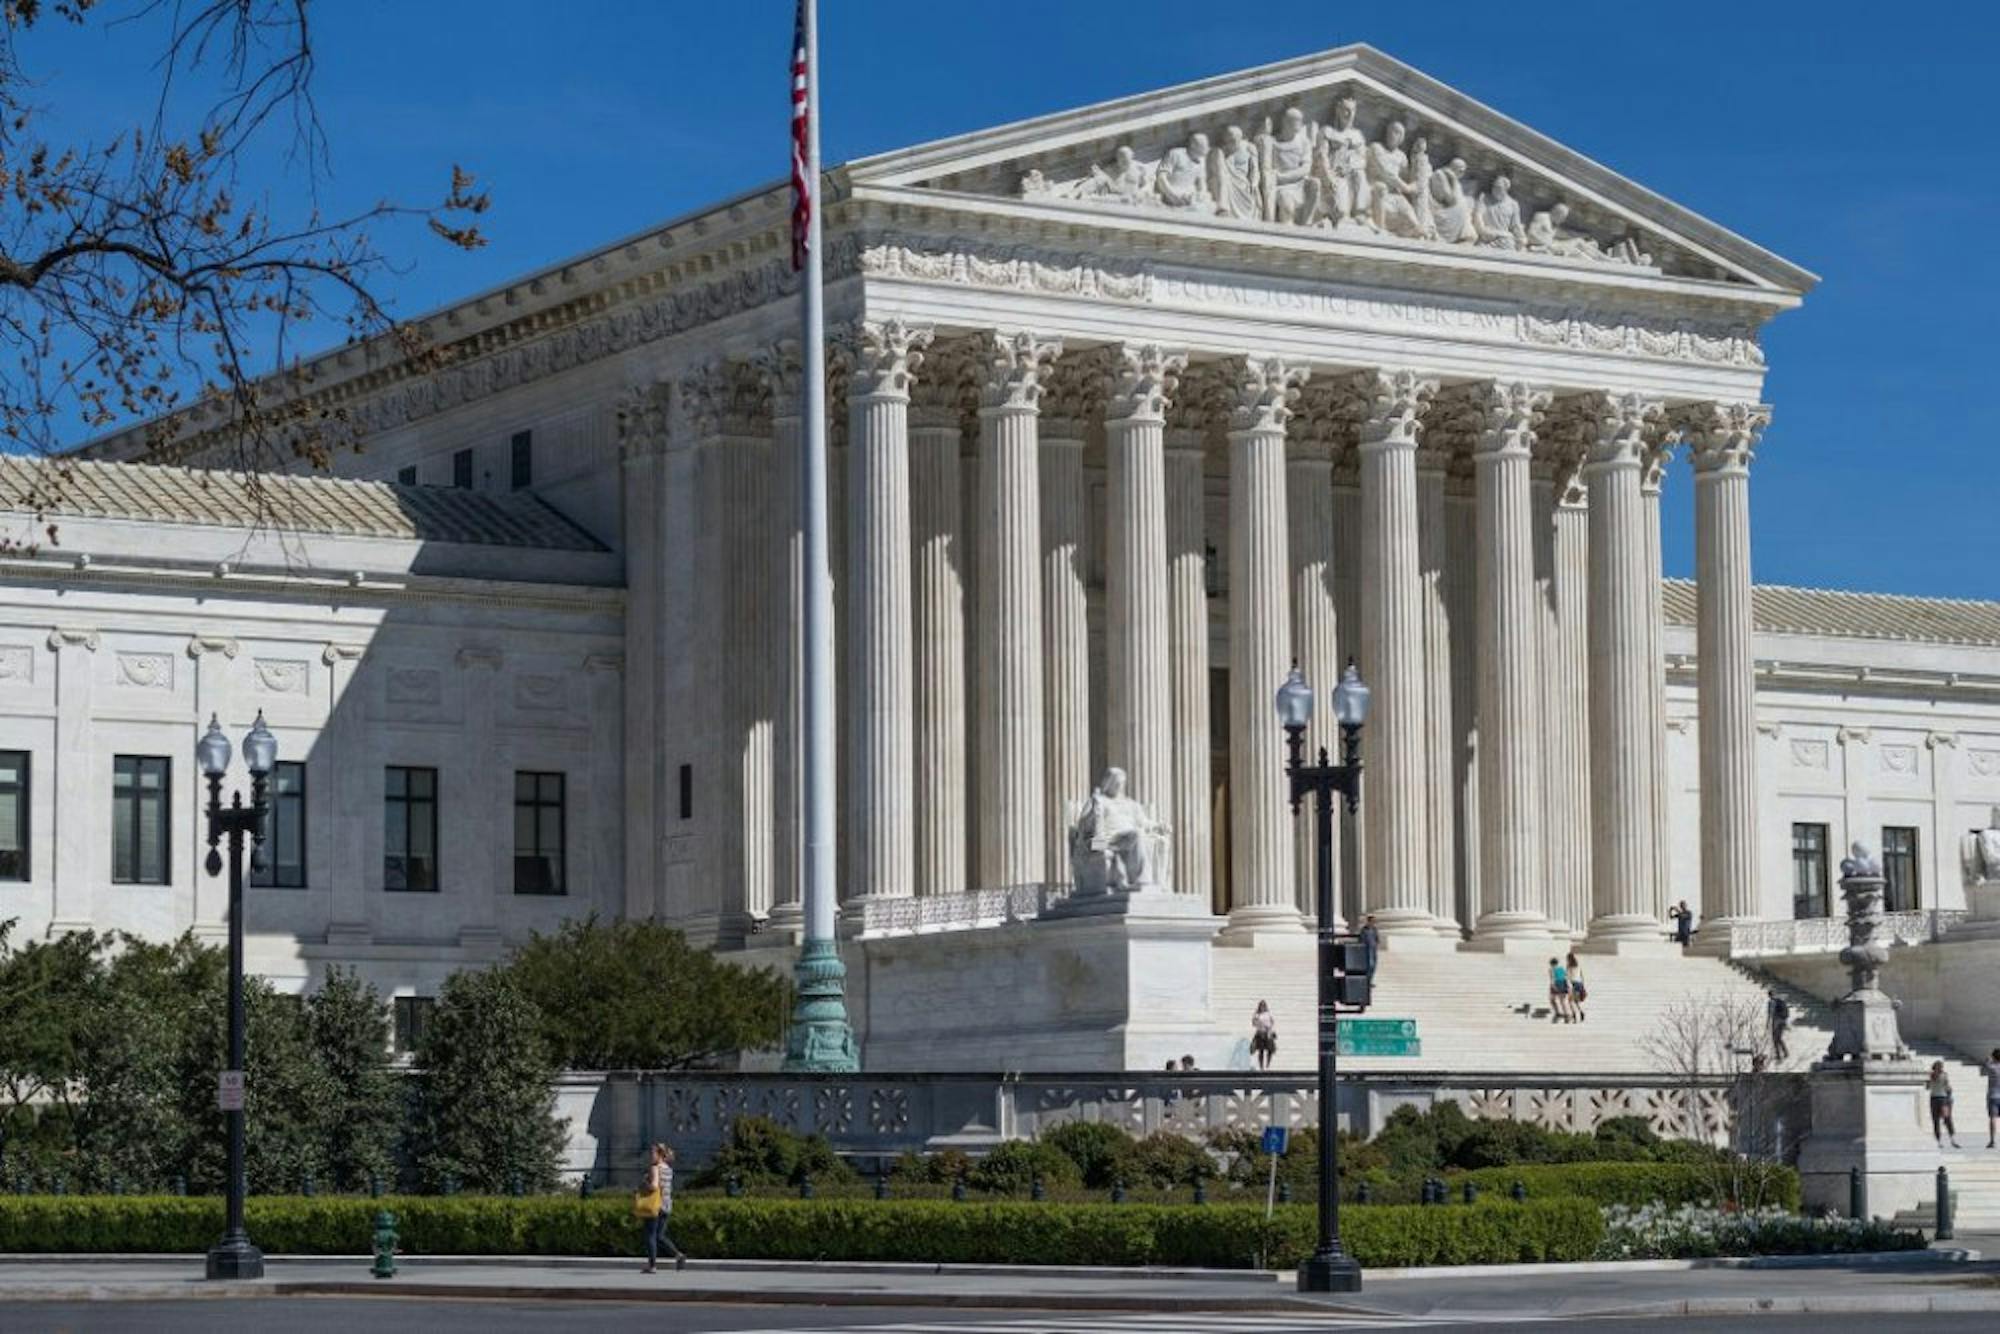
x: 1333, y: 176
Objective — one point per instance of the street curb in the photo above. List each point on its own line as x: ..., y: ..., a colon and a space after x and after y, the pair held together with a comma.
x: 1881, y: 1304
x: 1923, y: 1259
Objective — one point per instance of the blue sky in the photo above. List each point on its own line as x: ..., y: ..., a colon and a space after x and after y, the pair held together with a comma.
x: 1851, y: 139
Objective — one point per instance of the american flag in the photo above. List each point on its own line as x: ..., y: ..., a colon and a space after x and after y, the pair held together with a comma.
x: 803, y: 185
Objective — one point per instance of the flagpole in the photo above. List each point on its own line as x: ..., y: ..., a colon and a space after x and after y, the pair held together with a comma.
x: 820, y: 1038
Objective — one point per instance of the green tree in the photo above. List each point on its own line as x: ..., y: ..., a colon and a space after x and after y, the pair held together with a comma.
x: 44, y: 985
x: 349, y: 1029
x: 634, y: 995
x: 485, y: 1111
x: 289, y: 1098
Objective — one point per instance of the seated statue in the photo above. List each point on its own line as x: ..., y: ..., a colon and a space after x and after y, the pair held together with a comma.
x: 1115, y: 844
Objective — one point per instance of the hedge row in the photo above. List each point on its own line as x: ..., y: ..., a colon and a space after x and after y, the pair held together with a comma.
x: 1630, y: 1184
x: 1219, y: 1236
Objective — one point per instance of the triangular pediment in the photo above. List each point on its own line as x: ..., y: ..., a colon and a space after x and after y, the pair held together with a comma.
x: 1350, y: 145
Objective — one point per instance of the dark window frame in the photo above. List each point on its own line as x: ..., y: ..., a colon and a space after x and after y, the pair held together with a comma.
x: 164, y: 795
x: 1809, y: 863
x: 687, y: 791
x: 21, y: 793
x: 461, y: 469
x: 1902, y: 868
x: 270, y: 876
x: 558, y: 885
x: 521, y: 460
x: 407, y: 476
x: 408, y: 806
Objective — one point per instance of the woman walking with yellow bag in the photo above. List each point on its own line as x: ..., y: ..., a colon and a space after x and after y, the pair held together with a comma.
x: 654, y: 1205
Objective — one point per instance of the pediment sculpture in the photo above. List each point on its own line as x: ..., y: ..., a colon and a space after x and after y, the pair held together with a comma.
x: 1116, y: 844
x: 1332, y: 177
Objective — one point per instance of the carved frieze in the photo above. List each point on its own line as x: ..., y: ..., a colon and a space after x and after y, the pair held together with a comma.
x: 540, y: 693
x: 414, y: 687
x: 146, y: 671
x: 17, y: 664
x: 282, y: 676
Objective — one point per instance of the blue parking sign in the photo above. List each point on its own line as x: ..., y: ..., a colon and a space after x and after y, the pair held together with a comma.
x: 1274, y: 1140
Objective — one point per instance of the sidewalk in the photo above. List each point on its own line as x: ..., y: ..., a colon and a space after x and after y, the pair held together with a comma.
x: 1943, y: 1279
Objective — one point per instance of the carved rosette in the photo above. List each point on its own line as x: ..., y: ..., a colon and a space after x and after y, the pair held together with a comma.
x: 1263, y: 391
x: 1723, y: 436
x: 1014, y: 365
x: 1141, y: 381
x: 880, y: 357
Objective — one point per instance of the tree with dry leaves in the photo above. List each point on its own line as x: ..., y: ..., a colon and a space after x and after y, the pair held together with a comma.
x: 141, y: 282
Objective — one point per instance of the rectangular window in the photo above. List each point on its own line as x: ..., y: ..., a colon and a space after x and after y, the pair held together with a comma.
x: 687, y: 792
x: 1899, y: 868
x: 1809, y: 870
x: 140, y: 821
x: 13, y: 815
x: 538, y: 833
x: 461, y: 470
x: 412, y: 1016
x: 407, y: 476
x: 410, y: 827
x: 285, y: 830
x: 523, y: 446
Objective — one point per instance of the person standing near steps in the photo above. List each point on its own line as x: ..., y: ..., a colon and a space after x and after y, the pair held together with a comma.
x: 1992, y: 1071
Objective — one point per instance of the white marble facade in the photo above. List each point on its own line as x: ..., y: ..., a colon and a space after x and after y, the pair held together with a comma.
x: 1132, y: 406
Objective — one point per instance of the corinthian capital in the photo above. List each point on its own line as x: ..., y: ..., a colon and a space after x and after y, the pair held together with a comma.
x: 1141, y: 382
x: 1262, y: 391
x: 1723, y: 436
x: 642, y: 420
x: 1012, y: 366
x: 1616, y: 428
x: 943, y: 396
x: 778, y: 370
x: 703, y: 398
x: 1393, y: 410
x: 1510, y: 413
x: 879, y: 356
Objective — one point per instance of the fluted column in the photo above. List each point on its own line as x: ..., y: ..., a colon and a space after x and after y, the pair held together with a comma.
x: 1462, y: 560
x: 778, y: 367
x: 1349, y: 834
x: 1013, y: 837
x: 1724, y: 437
x: 1621, y: 760
x: 937, y: 589
x: 1652, y: 475
x: 1569, y: 722
x: 642, y: 416
x: 1512, y: 882
x: 1394, y: 805
x: 1315, y: 627
x: 1548, y: 633
x: 1442, y: 840
x: 1135, y: 546
x: 1262, y: 390
x: 1065, y: 632
x: 1187, y: 656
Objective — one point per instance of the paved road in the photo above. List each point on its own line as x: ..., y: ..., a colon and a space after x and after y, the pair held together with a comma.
x: 386, y: 1315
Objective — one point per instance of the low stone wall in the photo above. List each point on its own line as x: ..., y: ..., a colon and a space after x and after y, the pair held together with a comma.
x: 614, y: 1116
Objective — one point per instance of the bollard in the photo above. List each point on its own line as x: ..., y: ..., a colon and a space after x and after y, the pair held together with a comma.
x: 1517, y: 1192
x: 1363, y: 1193
x: 733, y: 1187
x: 1857, y: 1193
x: 958, y: 1187
x: 1284, y: 1192
x: 1200, y: 1191
x: 514, y: 1186
x: 1118, y: 1192
x: 385, y: 1245
x: 180, y: 1185
x: 374, y: 1185
x: 1470, y: 1192
x: 449, y: 1185
x: 118, y: 1185
x: 1036, y: 1191
x: 805, y: 1185
x: 583, y: 1186
x: 306, y: 1185
x: 881, y: 1181
x: 61, y: 1185
x: 1943, y: 1232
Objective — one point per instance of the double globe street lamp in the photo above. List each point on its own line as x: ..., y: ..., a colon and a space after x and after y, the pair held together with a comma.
x: 234, y: 1256
x: 1330, y: 1268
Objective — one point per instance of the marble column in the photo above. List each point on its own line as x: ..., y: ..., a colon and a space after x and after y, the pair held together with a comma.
x: 1570, y: 723
x: 77, y: 865
x: 1652, y: 475
x: 937, y: 589
x: 642, y: 443
x: 1395, y: 805
x: 882, y: 843
x: 1512, y: 878
x: 705, y: 399
x: 1349, y: 832
x: 1315, y: 628
x: 1187, y: 658
x: 1013, y: 837
x: 1621, y: 758
x: 778, y: 368
x: 1262, y: 390
x: 1723, y: 437
x: 1556, y: 872
x: 1461, y: 598
x: 1065, y: 621
x: 1135, y: 573
x: 1432, y: 465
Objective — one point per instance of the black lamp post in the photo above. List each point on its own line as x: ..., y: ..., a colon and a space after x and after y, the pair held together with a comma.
x: 1330, y: 1268
x: 234, y: 1256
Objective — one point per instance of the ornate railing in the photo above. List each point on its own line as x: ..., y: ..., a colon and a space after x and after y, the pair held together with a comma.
x: 959, y: 912
x: 1828, y: 935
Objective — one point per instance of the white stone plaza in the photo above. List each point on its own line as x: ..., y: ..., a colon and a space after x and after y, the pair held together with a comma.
x: 1132, y: 407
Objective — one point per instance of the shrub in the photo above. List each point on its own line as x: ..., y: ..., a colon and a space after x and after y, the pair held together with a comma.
x: 760, y: 1152
x: 486, y: 1098
x: 1691, y: 1231
x: 349, y: 1028
x: 1628, y: 1184
x: 1164, y: 1159
x: 933, y: 1169
x: 1099, y: 1151
x: 1013, y: 1167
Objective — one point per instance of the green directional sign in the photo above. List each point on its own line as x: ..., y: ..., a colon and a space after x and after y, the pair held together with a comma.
x: 1378, y: 1037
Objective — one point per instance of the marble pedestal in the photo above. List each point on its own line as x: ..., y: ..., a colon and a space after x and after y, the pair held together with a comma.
x: 1114, y: 982
x: 1982, y: 918
x: 1871, y: 1115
